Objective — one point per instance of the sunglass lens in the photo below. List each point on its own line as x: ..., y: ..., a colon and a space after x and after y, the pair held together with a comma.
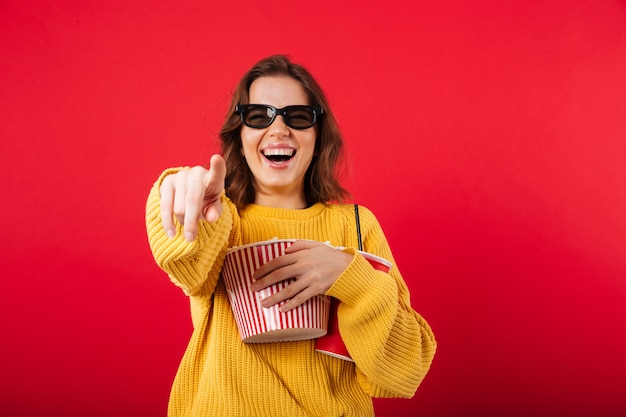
x: 300, y: 117
x: 258, y: 116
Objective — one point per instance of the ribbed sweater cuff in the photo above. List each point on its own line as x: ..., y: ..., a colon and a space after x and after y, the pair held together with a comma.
x: 359, y: 280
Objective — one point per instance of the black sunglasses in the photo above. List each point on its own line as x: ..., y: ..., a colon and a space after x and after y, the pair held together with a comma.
x: 259, y: 116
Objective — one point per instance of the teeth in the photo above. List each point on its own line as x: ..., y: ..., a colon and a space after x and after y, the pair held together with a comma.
x: 278, y: 152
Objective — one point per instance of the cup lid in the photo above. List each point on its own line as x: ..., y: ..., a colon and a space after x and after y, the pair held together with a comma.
x: 376, y: 258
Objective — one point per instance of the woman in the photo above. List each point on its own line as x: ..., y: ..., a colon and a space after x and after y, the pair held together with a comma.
x: 280, y: 146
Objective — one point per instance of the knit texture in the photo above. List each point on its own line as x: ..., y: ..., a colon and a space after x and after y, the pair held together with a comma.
x: 219, y: 375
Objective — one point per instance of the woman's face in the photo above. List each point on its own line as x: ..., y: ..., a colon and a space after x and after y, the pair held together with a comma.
x: 278, y: 155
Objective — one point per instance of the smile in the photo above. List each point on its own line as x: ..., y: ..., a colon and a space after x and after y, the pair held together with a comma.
x: 279, y: 155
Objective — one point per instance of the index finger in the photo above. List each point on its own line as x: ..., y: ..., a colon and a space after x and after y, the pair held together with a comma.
x: 272, y: 265
x: 167, y: 208
x: 217, y: 172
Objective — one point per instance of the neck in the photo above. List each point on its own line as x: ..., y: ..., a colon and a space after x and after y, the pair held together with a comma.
x: 278, y: 200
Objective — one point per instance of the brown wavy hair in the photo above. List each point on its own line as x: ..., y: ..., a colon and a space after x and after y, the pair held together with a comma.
x: 321, y: 183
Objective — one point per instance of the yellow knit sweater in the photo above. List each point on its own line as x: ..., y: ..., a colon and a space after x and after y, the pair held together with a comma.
x: 392, y: 346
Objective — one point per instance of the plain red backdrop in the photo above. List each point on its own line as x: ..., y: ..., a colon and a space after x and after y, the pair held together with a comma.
x: 487, y: 136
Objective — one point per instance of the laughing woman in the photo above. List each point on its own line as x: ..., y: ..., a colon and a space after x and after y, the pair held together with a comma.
x: 276, y: 178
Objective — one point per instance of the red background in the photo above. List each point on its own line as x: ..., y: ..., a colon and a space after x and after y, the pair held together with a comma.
x: 488, y: 137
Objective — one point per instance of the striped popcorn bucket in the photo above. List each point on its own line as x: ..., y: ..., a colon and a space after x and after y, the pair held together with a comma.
x: 332, y: 344
x: 257, y: 324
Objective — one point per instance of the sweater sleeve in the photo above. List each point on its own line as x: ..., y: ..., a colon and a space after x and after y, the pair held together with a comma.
x: 391, y: 344
x: 188, y: 263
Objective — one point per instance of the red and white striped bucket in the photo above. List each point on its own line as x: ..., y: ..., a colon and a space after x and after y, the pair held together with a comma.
x: 257, y: 324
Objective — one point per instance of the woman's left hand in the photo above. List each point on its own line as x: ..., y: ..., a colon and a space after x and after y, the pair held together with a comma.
x: 314, y: 265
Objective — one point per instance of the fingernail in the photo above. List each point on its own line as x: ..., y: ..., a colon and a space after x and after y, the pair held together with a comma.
x: 189, y: 236
x: 170, y: 233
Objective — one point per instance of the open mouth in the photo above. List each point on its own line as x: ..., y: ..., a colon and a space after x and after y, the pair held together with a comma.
x: 279, y: 155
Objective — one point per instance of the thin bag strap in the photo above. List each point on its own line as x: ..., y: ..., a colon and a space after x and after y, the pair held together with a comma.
x: 358, y: 226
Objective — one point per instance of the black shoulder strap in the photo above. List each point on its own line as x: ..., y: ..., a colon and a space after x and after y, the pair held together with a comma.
x: 358, y: 226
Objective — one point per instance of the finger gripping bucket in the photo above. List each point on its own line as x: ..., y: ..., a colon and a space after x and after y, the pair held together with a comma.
x: 257, y: 324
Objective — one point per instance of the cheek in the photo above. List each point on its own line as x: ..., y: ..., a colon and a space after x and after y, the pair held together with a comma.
x: 250, y: 140
x: 312, y: 144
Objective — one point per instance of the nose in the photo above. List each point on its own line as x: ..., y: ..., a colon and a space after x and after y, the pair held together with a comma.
x: 278, y: 127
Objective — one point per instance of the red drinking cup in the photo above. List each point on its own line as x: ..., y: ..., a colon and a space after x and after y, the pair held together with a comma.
x: 332, y: 344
